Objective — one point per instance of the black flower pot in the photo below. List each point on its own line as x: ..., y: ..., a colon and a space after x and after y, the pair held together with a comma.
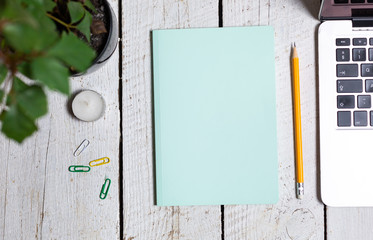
x: 111, y: 42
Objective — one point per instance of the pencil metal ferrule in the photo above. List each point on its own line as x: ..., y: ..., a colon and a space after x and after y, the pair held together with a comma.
x: 300, y: 190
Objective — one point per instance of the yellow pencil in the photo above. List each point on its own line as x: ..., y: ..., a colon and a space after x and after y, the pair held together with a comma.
x: 297, y: 125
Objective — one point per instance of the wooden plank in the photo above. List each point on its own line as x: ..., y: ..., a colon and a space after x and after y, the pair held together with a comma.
x: 143, y: 220
x: 349, y: 223
x: 4, y: 146
x: 290, y: 217
x: 245, y: 13
x: 23, y: 178
x: 41, y: 199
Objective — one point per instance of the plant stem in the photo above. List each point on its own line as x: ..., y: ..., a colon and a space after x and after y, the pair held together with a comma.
x: 68, y: 26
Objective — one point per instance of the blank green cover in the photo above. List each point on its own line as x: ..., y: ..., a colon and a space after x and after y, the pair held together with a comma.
x: 215, y: 116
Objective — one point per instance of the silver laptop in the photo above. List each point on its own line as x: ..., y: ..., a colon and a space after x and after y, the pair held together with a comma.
x: 345, y: 45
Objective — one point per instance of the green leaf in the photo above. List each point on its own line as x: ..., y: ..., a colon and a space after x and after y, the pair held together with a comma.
x: 52, y: 73
x: 1, y: 96
x: 33, y: 2
x: 28, y: 28
x: 46, y: 27
x: 76, y: 10
x: 2, y: 7
x: 22, y: 36
x: 36, y: 7
x: 12, y: 10
x: 16, y: 125
x: 73, y: 51
x: 85, y: 26
x: 49, y: 5
x: 89, y: 4
x: 18, y: 85
x: 31, y: 100
x: 3, y: 73
x: 25, y: 69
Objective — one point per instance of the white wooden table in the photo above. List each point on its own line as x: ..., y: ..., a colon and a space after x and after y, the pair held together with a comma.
x: 40, y: 199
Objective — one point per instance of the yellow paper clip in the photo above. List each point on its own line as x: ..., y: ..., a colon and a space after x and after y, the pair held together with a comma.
x: 100, y: 161
x: 105, y: 188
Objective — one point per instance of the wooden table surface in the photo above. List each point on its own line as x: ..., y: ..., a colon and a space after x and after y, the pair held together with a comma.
x: 40, y: 199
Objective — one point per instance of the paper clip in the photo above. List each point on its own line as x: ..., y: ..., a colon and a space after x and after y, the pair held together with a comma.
x: 105, y: 188
x: 81, y: 148
x: 79, y: 168
x: 100, y: 161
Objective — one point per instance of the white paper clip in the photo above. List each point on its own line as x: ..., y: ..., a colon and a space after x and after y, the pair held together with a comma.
x: 81, y: 147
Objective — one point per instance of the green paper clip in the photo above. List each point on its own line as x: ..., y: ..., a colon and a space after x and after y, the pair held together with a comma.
x: 79, y: 168
x: 105, y: 188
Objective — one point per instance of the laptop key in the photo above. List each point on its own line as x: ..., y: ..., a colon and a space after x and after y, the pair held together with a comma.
x: 359, y: 54
x: 367, y: 70
x: 340, y: 1
x: 348, y: 70
x: 359, y: 41
x: 360, y: 118
x: 369, y: 85
x: 357, y: 1
x: 363, y: 101
x: 344, y: 118
x: 343, y: 54
x: 371, y: 118
x: 345, y: 101
x: 342, y: 42
x: 370, y: 53
x: 350, y: 86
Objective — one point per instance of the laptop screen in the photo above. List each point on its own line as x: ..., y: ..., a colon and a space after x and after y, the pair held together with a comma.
x: 345, y: 9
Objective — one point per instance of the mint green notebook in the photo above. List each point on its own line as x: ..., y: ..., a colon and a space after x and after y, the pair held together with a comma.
x: 215, y: 116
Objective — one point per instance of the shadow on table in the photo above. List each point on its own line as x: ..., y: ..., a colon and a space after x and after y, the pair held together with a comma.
x: 318, y: 183
x: 153, y: 122
x: 317, y: 124
x: 313, y: 6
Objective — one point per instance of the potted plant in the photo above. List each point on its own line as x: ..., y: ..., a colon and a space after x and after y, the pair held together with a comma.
x: 43, y: 43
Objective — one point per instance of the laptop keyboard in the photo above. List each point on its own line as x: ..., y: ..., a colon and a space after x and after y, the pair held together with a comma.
x: 354, y: 84
x: 352, y: 1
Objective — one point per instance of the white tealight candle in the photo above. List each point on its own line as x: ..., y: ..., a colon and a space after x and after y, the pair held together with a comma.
x: 88, y: 106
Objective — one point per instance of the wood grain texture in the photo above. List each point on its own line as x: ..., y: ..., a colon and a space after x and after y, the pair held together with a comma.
x: 290, y: 218
x: 349, y: 223
x: 142, y: 219
x: 40, y: 199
